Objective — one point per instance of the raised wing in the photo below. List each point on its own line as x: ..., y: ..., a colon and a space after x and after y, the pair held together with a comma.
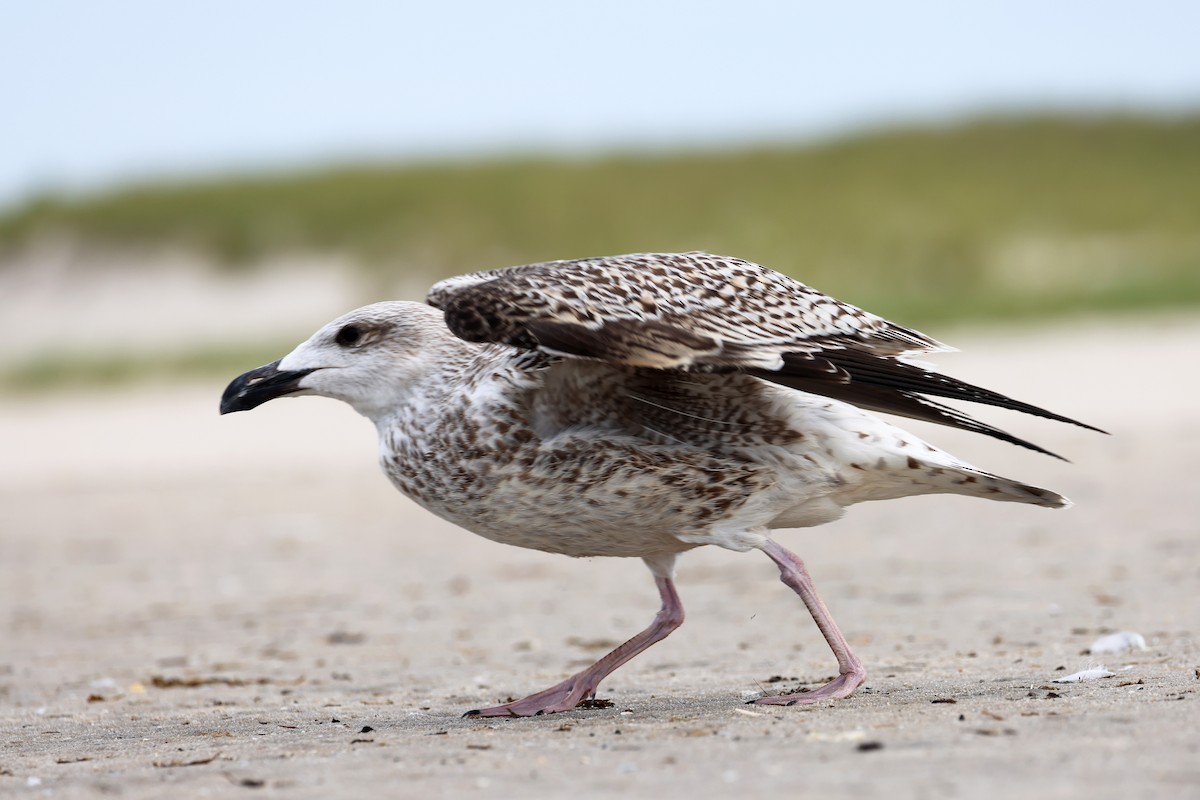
x: 696, y: 312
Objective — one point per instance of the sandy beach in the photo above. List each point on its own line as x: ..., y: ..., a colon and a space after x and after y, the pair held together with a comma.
x: 193, y: 606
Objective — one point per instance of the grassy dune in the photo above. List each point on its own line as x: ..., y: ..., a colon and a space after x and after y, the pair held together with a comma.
x: 992, y: 219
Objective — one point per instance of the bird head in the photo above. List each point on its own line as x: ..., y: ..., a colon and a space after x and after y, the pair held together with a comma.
x: 367, y: 358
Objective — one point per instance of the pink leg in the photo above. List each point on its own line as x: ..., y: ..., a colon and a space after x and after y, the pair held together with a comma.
x: 851, y: 673
x: 582, y: 685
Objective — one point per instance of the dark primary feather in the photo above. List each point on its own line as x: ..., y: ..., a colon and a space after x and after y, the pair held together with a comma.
x: 894, y: 386
x: 701, y: 313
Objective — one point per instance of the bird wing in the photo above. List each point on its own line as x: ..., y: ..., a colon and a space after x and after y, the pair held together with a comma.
x: 696, y: 312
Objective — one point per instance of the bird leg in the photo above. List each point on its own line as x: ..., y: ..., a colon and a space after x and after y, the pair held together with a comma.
x: 582, y: 685
x: 851, y: 674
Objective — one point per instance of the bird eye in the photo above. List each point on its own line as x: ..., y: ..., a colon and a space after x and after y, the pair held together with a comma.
x: 348, y: 336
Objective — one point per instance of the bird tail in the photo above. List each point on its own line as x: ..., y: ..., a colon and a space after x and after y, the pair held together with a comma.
x: 976, y: 483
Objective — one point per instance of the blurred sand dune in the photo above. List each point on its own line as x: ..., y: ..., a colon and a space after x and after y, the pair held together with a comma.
x: 57, y: 299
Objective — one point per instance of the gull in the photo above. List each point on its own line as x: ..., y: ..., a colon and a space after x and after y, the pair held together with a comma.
x: 642, y: 406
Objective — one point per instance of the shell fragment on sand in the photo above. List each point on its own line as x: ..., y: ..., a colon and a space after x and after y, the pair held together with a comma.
x: 1095, y: 673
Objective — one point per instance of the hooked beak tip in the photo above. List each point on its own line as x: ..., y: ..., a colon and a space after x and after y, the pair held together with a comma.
x: 252, y: 389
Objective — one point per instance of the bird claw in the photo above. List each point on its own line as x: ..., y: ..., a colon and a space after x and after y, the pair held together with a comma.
x: 560, y: 697
x: 841, y: 686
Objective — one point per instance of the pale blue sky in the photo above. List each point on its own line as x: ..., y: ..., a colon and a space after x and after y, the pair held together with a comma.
x: 98, y: 93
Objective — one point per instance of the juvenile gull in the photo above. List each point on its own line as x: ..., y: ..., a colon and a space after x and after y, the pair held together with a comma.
x: 643, y: 405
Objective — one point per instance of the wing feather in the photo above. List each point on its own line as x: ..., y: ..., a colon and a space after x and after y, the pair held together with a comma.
x: 756, y: 314
x: 704, y: 313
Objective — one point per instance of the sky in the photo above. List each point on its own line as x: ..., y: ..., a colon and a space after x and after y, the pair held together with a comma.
x: 98, y: 94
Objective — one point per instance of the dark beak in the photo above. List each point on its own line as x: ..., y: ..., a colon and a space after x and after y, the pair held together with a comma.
x: 260, y: 385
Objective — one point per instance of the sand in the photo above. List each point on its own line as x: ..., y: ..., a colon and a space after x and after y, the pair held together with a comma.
x: 193, y: 605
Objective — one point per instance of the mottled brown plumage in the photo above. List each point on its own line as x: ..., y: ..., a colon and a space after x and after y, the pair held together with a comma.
x: 641, y: 406
x: 704, y: 313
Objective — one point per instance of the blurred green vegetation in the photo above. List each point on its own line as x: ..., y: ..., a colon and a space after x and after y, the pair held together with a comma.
x: 990, y: 219
x: 995, y: 217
